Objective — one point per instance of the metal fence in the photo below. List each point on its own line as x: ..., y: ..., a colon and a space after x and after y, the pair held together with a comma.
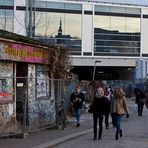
x: 28, y: 104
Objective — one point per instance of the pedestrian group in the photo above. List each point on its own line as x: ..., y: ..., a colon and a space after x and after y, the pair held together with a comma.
x: 111, y: 101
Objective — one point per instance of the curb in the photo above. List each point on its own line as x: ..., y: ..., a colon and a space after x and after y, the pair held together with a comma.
x: 58, y: 141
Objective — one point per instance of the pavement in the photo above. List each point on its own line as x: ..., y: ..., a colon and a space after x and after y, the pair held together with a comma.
x: 50, y: 137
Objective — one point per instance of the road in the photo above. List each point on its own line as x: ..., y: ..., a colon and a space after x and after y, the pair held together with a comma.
x: 135, y: 135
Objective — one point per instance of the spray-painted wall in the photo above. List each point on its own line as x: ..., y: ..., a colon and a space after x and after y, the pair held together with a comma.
x: 41, y: 106
x: 7, y: 103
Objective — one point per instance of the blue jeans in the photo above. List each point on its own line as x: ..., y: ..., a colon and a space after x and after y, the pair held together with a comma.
x: 77, y: 114
x: 118, y: 119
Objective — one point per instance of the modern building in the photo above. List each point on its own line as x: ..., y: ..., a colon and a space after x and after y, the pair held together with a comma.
x: 108, y: 35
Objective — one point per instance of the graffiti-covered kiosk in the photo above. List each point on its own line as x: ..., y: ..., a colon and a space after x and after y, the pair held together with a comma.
x: 25, y: 86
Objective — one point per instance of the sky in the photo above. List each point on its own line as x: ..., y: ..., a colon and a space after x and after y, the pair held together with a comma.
x: 135, y: 2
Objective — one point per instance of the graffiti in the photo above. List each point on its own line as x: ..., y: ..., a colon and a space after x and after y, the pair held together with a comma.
x: 41, y: 84
x: 41, y: 113
x: 5, y: 90
x: 6, y: 81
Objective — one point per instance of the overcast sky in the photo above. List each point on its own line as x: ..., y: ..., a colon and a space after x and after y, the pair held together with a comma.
x: 136, y: 2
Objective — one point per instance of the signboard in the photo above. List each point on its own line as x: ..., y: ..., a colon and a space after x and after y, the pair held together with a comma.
x: 24, y: 53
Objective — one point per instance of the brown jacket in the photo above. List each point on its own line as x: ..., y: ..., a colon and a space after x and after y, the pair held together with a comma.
x: 119, y: 106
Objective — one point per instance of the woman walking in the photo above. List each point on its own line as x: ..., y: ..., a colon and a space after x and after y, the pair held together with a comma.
x: 119, y: 108
x: 100, y: 106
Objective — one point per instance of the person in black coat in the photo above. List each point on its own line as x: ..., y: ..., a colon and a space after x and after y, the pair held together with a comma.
x: 100, y: 106
x: 139, y: 100
x: 77, y: 98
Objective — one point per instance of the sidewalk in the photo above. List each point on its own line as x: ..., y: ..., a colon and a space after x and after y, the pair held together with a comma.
x: 51, y: 137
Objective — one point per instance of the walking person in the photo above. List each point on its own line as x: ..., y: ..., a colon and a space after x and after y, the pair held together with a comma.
x: 111, y: 109
x: 107, y: 94
x: 120, y: 108
x: 76, y: 99
x: 100, y: 106
x: 139, y: 100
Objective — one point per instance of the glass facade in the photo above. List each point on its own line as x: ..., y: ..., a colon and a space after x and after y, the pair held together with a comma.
x: 7, y: 2
x: 61, y: 27
x: 116, y: 31
x: 6, y: 15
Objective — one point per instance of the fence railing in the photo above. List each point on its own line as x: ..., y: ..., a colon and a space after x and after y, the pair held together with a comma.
x: 29, y: 104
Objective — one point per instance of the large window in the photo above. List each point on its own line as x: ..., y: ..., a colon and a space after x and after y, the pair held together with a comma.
x: 116, y: 31
x: 61, y: 27
x: 6, y: 19
x: 7, y: 2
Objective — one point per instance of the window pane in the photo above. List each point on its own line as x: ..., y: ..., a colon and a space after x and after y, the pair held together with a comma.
x: 102, y: 22
x: 102, y: 8
x: 114, y: 35
x: 118, y: 23
x: 117, y: 9
x: 7, y: 2
x: 58, y: 5
x: 57, y: 27
x: 132, y: 25
x: 6, y: 19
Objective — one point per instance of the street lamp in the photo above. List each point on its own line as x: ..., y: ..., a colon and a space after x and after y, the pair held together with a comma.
x: 95, y: 69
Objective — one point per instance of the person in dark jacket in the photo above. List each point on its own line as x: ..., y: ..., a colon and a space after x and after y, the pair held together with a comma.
x: 139, y: 100
x: 77, y: 98
x: 100, y: 106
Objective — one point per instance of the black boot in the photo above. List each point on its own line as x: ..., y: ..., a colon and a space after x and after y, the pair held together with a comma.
x: 100, y: 135
x: 116, y: 136
x: 95, y: 135
x: 120, y: 133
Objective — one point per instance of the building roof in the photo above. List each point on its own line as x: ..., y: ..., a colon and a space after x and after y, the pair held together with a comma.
x: 23, y: 39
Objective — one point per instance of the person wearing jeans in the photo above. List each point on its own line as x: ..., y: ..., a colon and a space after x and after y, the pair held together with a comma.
x: 100, y: 106
x: 119, y: 108
x: 118, y: 118
x: 76, y: 99
x: 77, y: 114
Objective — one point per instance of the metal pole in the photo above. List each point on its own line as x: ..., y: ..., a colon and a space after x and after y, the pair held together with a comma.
x: 95, y: 69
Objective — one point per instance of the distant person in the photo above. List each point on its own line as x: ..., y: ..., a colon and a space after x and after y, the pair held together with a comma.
x: 76, y: 99
x: 111, y: 109
x: 107, y: 94
x: 100, y: 106
x: 119, y: 109
x: 139, y: 100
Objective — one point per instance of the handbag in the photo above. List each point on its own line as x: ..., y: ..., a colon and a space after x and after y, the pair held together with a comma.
x: 142, y: 101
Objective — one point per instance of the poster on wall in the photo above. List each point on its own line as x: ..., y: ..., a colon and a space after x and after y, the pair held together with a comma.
x: 42, y: 83
x: 6, y: 82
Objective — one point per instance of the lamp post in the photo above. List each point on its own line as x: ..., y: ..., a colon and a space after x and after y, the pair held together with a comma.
x: 95, y: 69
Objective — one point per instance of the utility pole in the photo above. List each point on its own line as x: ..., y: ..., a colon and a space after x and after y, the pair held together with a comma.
x: 30, y: 18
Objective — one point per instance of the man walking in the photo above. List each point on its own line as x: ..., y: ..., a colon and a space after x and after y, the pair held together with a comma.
x: 77, y: 98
